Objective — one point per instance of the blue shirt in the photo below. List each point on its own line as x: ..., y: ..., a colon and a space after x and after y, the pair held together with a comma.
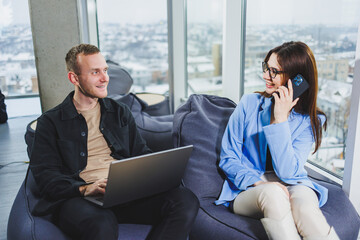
x: 244, y: 144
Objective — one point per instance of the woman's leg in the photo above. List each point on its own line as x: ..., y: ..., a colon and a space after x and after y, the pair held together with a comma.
x: 270, y: 203
x: 308, y: 217
x: 265, y: 200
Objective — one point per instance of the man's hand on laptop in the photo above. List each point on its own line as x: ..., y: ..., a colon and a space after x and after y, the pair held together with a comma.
x: 95, y: 188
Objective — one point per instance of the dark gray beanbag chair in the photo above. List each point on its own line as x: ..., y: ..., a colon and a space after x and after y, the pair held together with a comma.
x: 201, y: 122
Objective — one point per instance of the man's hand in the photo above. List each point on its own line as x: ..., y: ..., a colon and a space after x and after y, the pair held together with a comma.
x: 95, y: 188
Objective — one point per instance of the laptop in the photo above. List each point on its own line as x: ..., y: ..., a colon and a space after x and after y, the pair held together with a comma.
x: 142, y: 176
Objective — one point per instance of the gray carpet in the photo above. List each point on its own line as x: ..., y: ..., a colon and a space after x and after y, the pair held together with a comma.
x: 13, y: 155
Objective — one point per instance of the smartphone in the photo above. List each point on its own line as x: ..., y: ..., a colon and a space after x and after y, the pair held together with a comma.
x: 299, y: 84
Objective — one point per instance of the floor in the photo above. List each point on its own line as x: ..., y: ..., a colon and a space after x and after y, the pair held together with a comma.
x: 13, y: 164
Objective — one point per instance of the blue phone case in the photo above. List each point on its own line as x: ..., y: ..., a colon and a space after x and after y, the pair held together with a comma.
x: 300, y: 85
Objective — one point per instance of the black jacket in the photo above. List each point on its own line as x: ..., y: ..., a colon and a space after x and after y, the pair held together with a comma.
x: 59, y: 151
x: 3, y: 114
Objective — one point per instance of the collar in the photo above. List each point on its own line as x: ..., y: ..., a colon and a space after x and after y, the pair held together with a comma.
x: 266, y: 104
x: 68, y: 110
x: 265, y: 111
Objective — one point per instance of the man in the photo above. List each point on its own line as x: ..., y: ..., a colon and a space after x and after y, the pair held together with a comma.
x: 73, y: 147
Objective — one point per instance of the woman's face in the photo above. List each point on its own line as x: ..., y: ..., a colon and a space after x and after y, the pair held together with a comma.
x: 273, y: 83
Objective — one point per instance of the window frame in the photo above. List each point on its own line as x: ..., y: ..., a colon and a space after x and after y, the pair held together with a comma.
x: 177, y: 42
x: 234, y: 27
x: 233, y: 84
x: 234, y: 49
x: 351, y: 179
x: 87, y: 13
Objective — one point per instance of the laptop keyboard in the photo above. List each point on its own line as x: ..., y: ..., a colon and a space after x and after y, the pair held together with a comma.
x: 100, y: 199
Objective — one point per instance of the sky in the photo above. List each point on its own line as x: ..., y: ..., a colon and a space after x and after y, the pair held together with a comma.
x: 330, y: 12
x: 134, y: 11
x: 268, y: 12
x: 19, y: 11
x: 139, y: 11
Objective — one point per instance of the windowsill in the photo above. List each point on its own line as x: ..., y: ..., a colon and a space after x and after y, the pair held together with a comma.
x: 28, y: 95
x: 322, y: 175
x: 25, y: 106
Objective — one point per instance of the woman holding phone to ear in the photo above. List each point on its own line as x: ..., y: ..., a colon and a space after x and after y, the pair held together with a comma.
x: 266, y: 144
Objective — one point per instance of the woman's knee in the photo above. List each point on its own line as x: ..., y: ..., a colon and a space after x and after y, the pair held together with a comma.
x: 304, y: 201
x: 273, y: 198
x: 305, y: 209
x: 308, y: 217
x: 272, y: 193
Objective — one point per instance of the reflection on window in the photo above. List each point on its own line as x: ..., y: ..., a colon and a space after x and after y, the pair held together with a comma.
x: 134, y: 35
x: 331, y: 32
x: 204, y: 46
x: 17, y: 62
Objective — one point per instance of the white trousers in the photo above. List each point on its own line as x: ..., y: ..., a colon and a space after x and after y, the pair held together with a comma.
x: 271, y: 201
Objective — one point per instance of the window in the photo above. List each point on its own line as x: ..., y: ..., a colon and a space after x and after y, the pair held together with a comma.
x: 134, y: 35
x: 204, y: 46
x: 17, y: 62
x: 329, y: 28
x: 18, y: 79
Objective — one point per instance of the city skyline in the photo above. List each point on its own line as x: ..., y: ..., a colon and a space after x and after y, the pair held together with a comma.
x: 142, y: 49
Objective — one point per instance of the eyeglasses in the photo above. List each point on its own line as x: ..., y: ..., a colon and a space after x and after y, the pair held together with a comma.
x: 272, y: 71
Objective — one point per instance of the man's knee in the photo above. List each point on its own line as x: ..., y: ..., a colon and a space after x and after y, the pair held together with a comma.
x: 102, y: 224
x: 83, y: 220
x: 184, y: 201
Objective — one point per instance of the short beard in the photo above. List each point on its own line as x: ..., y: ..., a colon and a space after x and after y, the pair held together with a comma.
x: 85, y: 93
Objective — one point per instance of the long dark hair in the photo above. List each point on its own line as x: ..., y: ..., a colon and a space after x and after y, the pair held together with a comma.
x: 295, y: 58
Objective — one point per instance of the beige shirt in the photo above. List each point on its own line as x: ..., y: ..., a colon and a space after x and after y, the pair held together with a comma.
x: 99, y: 158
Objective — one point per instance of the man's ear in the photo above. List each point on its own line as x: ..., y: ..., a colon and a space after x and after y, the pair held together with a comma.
x: 73, y: 78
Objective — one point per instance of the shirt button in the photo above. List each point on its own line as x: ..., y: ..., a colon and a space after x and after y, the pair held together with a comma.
x: 82, y: 154
x: 102, y: 129
x: 83, y: 134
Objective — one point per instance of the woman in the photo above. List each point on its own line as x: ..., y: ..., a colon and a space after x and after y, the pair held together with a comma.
x: 266, y: 144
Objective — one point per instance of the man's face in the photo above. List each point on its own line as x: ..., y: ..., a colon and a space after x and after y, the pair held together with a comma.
x: 93, y: 77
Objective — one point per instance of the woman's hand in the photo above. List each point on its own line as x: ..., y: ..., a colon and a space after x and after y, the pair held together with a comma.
x: 283, y: 103
x: 95, y: 188
x: 283, y: 187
